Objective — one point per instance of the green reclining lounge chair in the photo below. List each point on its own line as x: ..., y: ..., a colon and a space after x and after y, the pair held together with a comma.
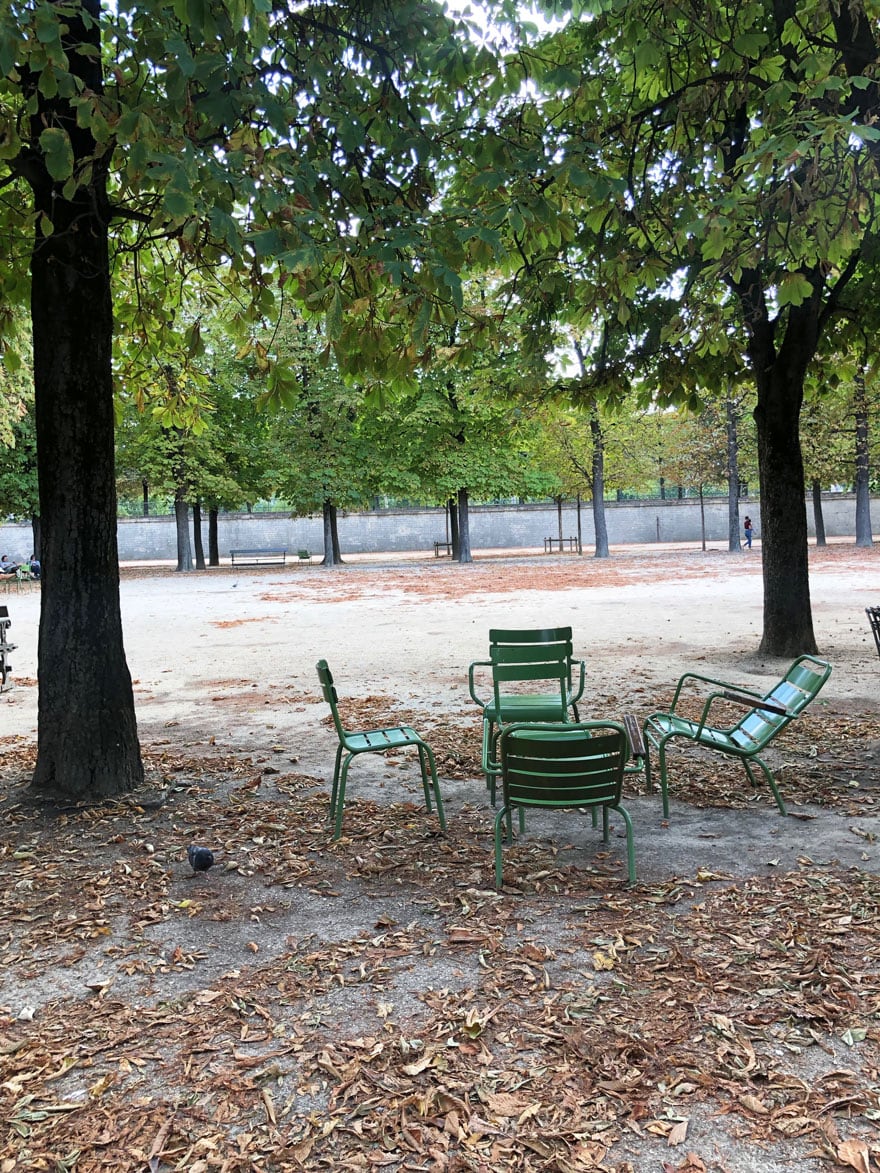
x: 768, y: 715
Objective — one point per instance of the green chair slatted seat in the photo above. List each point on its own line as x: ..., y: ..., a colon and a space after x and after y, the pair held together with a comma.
x: 769, y: 714
x: 372, y: 741
x: 575, y: 766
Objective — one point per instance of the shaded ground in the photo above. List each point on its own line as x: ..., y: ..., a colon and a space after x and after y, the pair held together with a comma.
x: 374, y: 1003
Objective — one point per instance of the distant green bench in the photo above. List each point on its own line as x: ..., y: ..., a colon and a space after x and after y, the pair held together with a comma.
x: 768, y: 715
x: 304, y: 556
x: 267, y: 557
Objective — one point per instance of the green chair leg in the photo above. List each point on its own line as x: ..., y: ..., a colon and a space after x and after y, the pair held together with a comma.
x: 340, y: 799
x: 499, y: 822
x: 771, y: 781
x: 335, y: 788
x: 630, y: 846
x: 426, y: 755
x: 664, y: 790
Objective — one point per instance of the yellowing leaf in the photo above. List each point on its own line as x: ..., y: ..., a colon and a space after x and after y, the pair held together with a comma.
x: 855, y: 1154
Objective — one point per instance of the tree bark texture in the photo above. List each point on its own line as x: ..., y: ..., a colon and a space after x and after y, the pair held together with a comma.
x: 213, y: 538
x: 464, y: 528
x: 197, y: 536
x: 452, y: 513
x: 779, y: 375
x: 818, y: 517
x: 330, y: 547
x: 733, y: 542
x: 598, y: 485
x: 181, y: 519
x: 864, y: 537
x: 334, y: 534
x: 87, y: 744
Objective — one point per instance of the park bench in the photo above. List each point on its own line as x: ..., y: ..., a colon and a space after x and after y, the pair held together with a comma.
x: 560, y: 544
x: 445, y: 547
x: 5, y: 646
x: 267, y: 557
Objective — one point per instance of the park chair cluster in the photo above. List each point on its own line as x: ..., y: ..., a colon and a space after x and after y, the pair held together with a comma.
x: 545, y: 756
x: 21, y: 576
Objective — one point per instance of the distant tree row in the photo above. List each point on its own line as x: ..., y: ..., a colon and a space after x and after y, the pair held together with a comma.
x: 455, y: 436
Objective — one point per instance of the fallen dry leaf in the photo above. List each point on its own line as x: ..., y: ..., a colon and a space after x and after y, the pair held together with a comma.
x: 855, y: 1154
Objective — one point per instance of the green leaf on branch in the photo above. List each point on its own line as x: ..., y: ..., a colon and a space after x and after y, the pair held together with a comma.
x: 178, y: 204
x: 58, y: 152
x: 334, y: 316
x: 793, y: 289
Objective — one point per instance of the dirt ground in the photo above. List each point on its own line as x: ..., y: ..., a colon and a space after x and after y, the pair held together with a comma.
x: 374, y: 1003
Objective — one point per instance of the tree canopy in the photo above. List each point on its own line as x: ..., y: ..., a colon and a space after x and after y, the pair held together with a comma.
x: 712, y: 170
x: 291, y: 153
x: 689, y: 184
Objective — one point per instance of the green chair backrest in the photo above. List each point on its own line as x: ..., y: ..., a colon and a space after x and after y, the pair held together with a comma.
x: 563, y: 765
x: 535, y: 635
x: 525, y: 640
x: 530, y: 664
x: 795, y: 691
x: 328, y: 689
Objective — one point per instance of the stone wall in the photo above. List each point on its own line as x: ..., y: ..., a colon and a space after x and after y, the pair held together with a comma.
x: 492, y: 527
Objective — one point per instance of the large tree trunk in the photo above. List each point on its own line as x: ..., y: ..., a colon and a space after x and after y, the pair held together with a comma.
x: 864, y: 537
x: 598, y: 486
x: 330, y: 547
x: 733, y: 542
x: 181, y: 519
x: 87, y: 744
x: 197, y: 536
x: 213, y: 539
x: 464, y: 528
x: 788, y: 620
x: 818, y: 518
x: 334, y: 534
x: 454, y: 537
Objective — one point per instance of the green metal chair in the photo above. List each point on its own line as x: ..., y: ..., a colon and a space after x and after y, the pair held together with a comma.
x: 372, y: 741
x: 575, y: 766
x: 526, y: 657
x: 768, y: 715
